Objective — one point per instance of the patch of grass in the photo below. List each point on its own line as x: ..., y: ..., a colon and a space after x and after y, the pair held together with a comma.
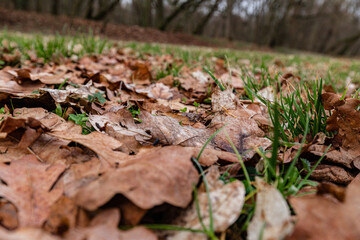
x: 52, y: 48
x: 293, y: 108
x: 170, y: 69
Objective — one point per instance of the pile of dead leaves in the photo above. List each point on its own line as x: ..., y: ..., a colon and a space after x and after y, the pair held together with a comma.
x: 93, y: 146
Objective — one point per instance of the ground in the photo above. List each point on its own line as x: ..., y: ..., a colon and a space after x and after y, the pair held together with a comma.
x: 101, y: 139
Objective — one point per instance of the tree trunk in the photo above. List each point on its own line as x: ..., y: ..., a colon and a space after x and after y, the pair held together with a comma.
x: 228, y: 27
x: 159, y: 12
x: 90, y: 9
x: 201, y: 26
x: 21, y: 4
x: 76, y: 6
x: 182, y: 7
x: 55, y: 7
x: 38, y: 6
x: 106, y: 10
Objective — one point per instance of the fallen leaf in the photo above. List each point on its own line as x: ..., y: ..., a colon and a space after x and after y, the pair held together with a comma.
x: 140, y: 71
x: 27, y: 234
x: 170, y: 132
x: 196, y: 81
x: 324, y: 217
x: 32, y: 193
x: 272, y: 219
x: 8, y: 215
x: 226, y: 201
x: 149, y: 179
x: 104, y: 227
x: 243, y: 132
x: 62, y: 216
x: 234, y: 79
x: 7, y: 85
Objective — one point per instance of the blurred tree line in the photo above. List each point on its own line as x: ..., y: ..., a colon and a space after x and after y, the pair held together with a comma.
x: 325, y: 26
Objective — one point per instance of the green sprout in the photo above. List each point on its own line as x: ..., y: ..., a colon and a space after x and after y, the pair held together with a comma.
x: 97, y: 96
x: 81, y: 119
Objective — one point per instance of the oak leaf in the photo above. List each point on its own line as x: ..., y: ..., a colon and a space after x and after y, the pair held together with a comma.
x: 28, y: 184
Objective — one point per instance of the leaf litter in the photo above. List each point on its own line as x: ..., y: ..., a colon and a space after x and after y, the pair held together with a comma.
x: 94, y: 146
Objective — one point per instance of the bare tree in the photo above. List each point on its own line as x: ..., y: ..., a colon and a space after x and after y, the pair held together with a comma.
x: 229, y: 9
x: 201, y: 26
x: 159, y: 12
x: 179, y: 9
x: 55, y: 7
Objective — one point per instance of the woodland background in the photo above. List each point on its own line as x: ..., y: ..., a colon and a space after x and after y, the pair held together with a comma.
x: 323, y: 26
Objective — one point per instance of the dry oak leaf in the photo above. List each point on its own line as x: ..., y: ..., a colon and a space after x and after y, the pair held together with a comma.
x: 23, y: 76
x: 79, y: 175
x: 105, y: 227
x: 27, y: 183
x: 324, y: 217
x: 236, y: 81
x: 345, y: 120
x: 26, y: 234
x: 101, y: 79
x: 150, y: 178
x: 243, y: 132
x: 106, y: 147
x: 140, y: 71
x: 196, y: 81
x: 226, y: 201
x: 7, y: 85
x: 331, y: 173
x: 156, y: 91
x: 170, y: 132
x: 32, y: 129
x: 62, y: 216
x: 83, y: 92
x: 48, y: 148
x: 121, y: 126
x: 8, y: 215
x: 272, y: 217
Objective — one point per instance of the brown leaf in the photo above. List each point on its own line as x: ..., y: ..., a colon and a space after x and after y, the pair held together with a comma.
x: 27, y: 234
x: 104, y: 227
x: 7, y: 85
x: 79, y: 175
x: 196, y: 81
x: 243, y: 132
x: 100, y: 78
x: 8, y: 215
x: 106, y: 147
x: 62, y: 216
x: 23, y: 76
x: 121, y: 126
x: 28, y: 185
x: 235, y: 80
x: 331, y: 174
x: 323, y: 217
x: 140, y: 71
x: 150, y: 178
x: 223, y: 100
x: 170, y: 132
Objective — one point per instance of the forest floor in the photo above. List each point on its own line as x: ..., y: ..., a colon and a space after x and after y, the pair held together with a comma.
x: 101, y: 139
